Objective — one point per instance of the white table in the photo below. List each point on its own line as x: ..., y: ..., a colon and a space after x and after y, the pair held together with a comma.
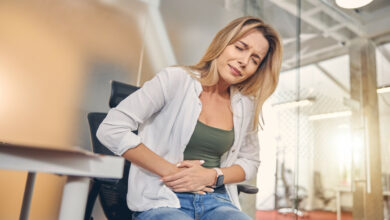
x: 339, y: 191
x: 77, y: 164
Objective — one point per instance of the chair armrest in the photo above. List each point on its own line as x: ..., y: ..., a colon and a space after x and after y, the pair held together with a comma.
x: 245, y: 188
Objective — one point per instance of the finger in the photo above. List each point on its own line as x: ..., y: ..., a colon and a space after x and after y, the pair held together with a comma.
x: 208, y: 189
x: 174, y: 177
x: 196, y: 162
x: 184, y: 165
x: 190, y: 163
x: 175, y: 183
x: 186, y: 190
x: 181, y: 190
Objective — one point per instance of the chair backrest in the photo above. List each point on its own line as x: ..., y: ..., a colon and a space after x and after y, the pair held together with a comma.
x: 112, y: 193
x: 94, y: 120
x: 120, y: 91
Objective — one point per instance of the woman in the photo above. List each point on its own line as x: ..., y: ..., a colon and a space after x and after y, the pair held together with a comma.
x: 197, y: 127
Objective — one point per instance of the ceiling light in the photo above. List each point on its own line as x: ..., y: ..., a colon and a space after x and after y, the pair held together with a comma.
x: 383, y: 90
x: 294, y: 104
x: 330, y: 115
x: 350, y: 4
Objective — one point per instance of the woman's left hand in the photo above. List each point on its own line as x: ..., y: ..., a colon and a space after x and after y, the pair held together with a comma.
x: 194, y: 178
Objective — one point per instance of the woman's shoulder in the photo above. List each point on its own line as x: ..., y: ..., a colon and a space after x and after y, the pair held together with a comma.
x: 248, y: 102
x: 247, y: 99
x: 175, y: 73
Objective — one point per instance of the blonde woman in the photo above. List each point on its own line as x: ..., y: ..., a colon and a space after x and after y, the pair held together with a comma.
x: 197, y: 127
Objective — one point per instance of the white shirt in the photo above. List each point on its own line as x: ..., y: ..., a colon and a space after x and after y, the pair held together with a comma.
x: 165, y: 111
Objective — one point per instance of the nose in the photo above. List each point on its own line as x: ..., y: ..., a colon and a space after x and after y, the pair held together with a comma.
x: 243, y: 60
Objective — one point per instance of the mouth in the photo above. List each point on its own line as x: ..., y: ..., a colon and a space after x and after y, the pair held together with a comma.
x: 235, y: 71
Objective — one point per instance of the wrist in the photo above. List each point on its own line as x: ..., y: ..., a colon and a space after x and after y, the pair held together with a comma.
x: 171, y: 169
x: 219, y: 177
x: 214, y: 175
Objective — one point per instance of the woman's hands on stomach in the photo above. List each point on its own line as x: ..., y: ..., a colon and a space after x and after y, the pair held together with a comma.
x: 191, y: 177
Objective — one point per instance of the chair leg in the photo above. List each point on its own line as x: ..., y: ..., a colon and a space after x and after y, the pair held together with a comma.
x: 291, y: 211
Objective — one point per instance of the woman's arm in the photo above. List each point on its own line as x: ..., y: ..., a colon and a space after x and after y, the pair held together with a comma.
x: 147, y: 159
x: 233, y: 174
x: 115, y: 132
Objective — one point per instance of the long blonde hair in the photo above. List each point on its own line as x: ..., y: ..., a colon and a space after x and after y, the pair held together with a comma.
x: 260, y: 85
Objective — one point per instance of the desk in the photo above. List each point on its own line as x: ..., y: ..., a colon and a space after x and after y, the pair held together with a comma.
x: 77, y: 164
x: 340, y: 190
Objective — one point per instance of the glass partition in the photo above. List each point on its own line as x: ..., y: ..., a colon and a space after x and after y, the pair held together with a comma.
x: 330, y: 144
x: 383, y: 84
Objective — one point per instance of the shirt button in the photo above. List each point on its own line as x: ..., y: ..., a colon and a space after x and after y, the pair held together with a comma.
x: 233, y: 151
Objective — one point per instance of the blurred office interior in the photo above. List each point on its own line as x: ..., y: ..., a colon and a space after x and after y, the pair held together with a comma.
x: 325, y: 146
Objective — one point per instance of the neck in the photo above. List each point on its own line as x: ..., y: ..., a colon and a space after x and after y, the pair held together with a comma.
x: 221, y: 88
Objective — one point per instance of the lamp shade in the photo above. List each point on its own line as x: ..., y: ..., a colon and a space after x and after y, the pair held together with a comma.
x: 350, y: 4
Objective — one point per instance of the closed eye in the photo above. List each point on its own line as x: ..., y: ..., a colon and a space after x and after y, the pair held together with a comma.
x: 254, y: 61
x: 239, y: 48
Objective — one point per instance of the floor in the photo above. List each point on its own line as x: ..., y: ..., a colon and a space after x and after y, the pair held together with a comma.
x: 312, y: 215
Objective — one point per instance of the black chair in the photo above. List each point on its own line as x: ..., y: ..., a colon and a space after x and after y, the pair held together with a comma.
x: 120, y: 91
x: 112, y: 192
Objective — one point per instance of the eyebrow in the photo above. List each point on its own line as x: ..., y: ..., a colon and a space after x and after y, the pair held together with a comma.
x: 246, y: 47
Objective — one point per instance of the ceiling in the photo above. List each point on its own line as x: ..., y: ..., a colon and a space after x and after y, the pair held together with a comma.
x: 326, y: 32
x: 179, y: 31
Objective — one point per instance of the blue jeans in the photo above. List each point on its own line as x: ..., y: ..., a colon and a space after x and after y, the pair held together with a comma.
x: 212, y: 206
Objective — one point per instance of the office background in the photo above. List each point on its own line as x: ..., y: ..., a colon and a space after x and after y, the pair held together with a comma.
x: 57, y: 58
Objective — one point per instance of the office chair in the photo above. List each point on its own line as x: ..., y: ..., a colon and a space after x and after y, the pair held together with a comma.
x: 293, y: 200
x: 324, y: 195
x: 112, y: 192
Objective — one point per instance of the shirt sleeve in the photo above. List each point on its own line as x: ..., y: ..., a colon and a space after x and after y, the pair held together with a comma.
x: 248, y: 155
x: 116, y: 130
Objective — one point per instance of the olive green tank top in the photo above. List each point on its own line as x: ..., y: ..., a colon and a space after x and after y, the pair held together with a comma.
x: 208, y: 144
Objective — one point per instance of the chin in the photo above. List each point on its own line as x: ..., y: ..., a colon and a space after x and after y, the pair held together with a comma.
x: 232, y: 80
x: 229, y: 78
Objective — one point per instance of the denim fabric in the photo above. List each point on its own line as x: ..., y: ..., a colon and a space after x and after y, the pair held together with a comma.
x: 212, y: 206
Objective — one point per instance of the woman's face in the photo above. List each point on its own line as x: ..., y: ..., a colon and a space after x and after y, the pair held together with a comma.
x: 241, y: 59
